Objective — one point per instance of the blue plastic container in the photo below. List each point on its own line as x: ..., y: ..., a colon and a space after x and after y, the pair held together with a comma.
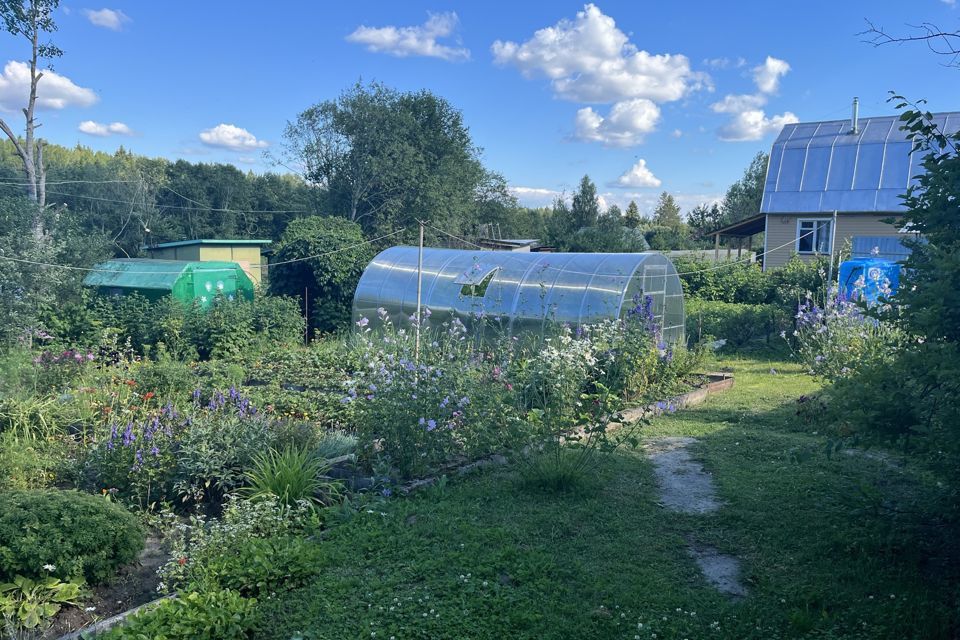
x: 868, y: 279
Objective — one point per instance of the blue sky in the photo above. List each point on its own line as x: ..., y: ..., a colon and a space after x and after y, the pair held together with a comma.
x: 642, y: 96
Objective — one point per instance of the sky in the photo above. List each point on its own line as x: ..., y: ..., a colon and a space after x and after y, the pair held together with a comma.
x: 642, y: 96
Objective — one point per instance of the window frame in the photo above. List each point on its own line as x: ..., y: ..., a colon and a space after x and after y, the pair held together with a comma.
x: 817, y: 222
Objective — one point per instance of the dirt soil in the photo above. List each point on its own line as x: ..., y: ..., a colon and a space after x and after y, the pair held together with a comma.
x: 134, y: 585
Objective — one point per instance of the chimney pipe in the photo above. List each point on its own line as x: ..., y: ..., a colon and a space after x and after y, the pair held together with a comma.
x: 854, y: 121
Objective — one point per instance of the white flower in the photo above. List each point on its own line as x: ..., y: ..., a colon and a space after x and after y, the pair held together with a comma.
x: 49, y: 567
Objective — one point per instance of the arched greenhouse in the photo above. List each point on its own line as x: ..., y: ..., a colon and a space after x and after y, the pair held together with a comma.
x: 522, y: 290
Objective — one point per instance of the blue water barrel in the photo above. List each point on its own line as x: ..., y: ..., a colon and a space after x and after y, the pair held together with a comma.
x: 869, y: 278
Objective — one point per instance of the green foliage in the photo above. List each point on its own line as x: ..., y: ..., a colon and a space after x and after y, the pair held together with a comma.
x: 744, y: 196
x: 581, y: 227
x: 667, y: 212
x: 735, y: 323
x: 291, y: 475
x: 77, y: 534
x: 257, y: 547
x: 31, y: 463
x: 335, y: 443
x: 212, y: 615
x: 27, y: 604
x: 330, y: 275
x: 386, y: 158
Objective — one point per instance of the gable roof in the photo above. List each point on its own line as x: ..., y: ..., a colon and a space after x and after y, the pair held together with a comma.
x: 821, y: 167
x: 206, y: 241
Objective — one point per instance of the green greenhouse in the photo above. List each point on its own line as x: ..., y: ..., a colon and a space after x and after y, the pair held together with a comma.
x: 184, y: 280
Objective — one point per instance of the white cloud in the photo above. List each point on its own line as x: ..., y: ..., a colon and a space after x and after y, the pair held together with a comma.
x: 748, y: 119
x: 588, y: 59
x: 624, y: 126
x: 637, y: 176
x: 102, y: 129
x: 738, y: 103
x: 767, y: 75
x: 535, y: 196
x: 228, y: 136
x: 676, y: 133
x: 112, y: 19
x: 949, y: 3
x: 53, y: 91
x: 754, y: 124
x: 413, y: 41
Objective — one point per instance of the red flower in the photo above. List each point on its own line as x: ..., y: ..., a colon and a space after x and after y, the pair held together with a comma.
x: 182, y: 561
x: 148, y: 395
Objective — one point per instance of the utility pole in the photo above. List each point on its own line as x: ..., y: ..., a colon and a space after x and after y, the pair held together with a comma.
x: 833, y: 237
x: 416, y: 348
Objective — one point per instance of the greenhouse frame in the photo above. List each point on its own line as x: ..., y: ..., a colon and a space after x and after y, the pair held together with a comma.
x: 523, y: 291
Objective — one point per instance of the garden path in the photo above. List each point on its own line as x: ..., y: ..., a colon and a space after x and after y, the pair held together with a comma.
x: 686, y: 487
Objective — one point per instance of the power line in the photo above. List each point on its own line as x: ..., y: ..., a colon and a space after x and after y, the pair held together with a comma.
x: 27, y: 184
x: 257, y: 266
x: 174, y: 206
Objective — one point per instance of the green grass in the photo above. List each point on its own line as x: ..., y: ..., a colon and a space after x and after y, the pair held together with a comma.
x: 827, y: 551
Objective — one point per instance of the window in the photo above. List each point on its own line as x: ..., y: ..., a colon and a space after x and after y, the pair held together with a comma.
x: 813, y: 236
x: 476, y: 279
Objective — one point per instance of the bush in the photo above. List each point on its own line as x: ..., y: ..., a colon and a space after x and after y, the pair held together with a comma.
x: 737, y: 324
x: 292, y: 475
x: 75, y: 533
x: 32, y: 463
x: 256, y: 548
x: 214, y: 615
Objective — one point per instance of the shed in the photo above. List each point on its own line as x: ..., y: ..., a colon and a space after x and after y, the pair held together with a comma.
x: 522, y: 290
x: 184, y: 280
x: 246, y: 253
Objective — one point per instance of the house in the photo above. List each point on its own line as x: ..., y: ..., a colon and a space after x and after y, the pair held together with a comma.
x: 246, y: 253
x: 849, y: 171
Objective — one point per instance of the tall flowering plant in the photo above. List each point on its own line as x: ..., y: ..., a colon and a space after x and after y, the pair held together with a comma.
x: 416, y: 413
x: 835, y: 337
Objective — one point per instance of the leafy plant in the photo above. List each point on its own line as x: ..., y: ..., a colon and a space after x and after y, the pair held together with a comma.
x: 736, y: 324
x: 68, y: 532
x: 335, y: 443
x: 256, y: 547
x: 31, y: 604
x: 212, y: 615
x: 292, y: 475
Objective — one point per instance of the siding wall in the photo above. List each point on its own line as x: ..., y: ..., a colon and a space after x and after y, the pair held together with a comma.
x: 245, y: 255
x: 782, y: 229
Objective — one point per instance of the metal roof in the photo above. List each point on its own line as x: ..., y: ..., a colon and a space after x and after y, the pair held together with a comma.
x: 186, y: 243
x: 821, y: 167
x: 520, y: 291
x: 880, y: 247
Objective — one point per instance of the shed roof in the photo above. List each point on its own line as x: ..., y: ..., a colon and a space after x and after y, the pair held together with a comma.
x: 146, y: 273
x: 819, y: 167
x: 207, y: 241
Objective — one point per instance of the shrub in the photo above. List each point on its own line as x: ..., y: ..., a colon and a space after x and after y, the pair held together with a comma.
x: 32, y: 463
x: 726, y: 281
x: 75, y: 533
x: 737, y: 324
x: 335, y: 443
x: 214, y: 615
x: 256, y: 547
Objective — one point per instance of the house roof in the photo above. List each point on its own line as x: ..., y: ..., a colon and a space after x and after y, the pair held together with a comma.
x: 206, y: 241
x: 820, y: 167
x: 744, y: 228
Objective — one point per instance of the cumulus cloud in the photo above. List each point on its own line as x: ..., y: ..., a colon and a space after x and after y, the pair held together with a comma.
x: 767, y: 75
x: 748, y: 119
x: 624, y: 126
x: 228, y: 136
x: 413, y: 41
x: 53, y: 91
x: 103, y: 130
x: 589, y: 59
x: 535, y: 196
x: 112, y: 19
x: 754, y: 125
x: 637, y: 176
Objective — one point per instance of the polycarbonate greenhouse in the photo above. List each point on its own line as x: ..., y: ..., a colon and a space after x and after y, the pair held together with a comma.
x: 522, y: 290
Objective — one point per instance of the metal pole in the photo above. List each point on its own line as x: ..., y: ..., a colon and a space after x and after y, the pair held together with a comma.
x: 833, y: 242
x: 416, y: 352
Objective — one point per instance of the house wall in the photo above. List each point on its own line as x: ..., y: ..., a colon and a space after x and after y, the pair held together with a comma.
x: 244, y: 255
x: 782, y: 230
x: 189, y: 253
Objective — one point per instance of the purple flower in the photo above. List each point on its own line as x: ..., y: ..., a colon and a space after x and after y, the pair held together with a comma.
x: 431, y: 425
x: 386, y: 493
x: 362, y: 322
x: 196, y: 395
x: 129, y: 437
x: 422, y: 421
x: 154, y: 451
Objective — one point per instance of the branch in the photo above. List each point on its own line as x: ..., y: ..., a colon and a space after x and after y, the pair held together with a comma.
x: 13, y: 138
x: 944, y: 43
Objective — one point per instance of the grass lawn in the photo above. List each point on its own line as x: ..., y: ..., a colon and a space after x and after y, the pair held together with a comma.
x: 826, y: 549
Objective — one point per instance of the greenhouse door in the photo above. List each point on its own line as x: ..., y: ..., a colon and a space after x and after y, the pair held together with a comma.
x: 655, y: 286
